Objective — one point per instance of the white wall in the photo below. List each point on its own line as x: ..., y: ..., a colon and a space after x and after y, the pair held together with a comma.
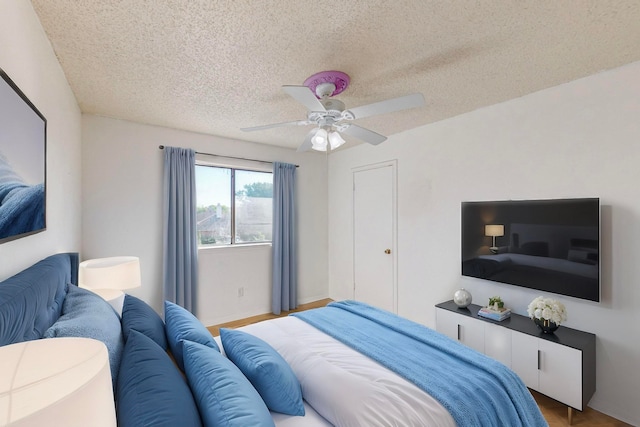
x: 27, y: 57
x: 122, y: 215
x: 581, y: 139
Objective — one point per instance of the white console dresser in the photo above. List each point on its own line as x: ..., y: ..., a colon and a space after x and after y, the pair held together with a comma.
x: 561, y: 365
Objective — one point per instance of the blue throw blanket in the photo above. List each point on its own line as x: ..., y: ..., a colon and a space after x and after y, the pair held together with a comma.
x: 475, y: 389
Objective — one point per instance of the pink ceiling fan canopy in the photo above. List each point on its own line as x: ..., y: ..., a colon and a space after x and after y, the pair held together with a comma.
x: 339, y: 79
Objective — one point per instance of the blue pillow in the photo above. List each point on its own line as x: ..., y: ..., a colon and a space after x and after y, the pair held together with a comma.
x: 269, y: 373
x: 138, y: 316
x: 85, y: 314
x: 151, y: 390
x: 181, y: 325
x: 223, y: 395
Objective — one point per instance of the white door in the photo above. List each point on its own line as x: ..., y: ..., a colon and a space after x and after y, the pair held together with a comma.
x: 471, y: 333
x: 525, y: 358
x: 374, y: 216
x: 497, y: 343
x: 447, y: 323
x: 464, y: 329
x: 560, y: 374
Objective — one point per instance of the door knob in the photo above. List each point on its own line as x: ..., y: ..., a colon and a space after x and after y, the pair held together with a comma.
x: 387, y: 251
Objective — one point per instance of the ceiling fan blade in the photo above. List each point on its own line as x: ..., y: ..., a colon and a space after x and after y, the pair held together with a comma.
x: 275, y: 125
x: 390, y: 105
x: 306, y: 145
x: 363, y: 134
x: 304, y: 96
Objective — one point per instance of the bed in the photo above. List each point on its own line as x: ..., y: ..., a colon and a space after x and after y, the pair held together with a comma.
x: 347, y: 364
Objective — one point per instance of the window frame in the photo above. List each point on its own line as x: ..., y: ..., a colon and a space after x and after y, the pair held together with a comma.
x: 232, y: 208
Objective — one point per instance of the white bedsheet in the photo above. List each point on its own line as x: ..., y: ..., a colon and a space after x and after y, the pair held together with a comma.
x: 343, y: 386
x: 311, y: 419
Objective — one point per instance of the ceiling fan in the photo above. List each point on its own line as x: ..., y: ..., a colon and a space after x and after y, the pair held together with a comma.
x: 330, y: 115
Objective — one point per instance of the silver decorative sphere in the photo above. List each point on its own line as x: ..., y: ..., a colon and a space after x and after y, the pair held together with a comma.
x: 462, y: 298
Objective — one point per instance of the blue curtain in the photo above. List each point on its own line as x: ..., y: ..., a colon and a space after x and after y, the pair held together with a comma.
x: 180, y: 247
x: 285, y: 262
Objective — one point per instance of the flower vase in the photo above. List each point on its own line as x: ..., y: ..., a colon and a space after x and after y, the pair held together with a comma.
x: 546, y: 326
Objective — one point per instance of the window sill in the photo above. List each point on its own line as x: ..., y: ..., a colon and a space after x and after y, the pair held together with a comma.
x: 235, y: 246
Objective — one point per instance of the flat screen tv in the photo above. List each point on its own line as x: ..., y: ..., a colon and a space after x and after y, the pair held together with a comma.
x: 548, y: 245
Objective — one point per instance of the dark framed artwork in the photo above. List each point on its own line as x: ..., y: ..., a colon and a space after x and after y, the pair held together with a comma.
x: 23, y: 164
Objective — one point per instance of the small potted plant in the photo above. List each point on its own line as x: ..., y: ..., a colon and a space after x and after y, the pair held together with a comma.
x: 496, y: 303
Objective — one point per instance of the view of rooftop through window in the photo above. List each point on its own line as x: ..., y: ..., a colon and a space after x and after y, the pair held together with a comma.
x: 233, y: 205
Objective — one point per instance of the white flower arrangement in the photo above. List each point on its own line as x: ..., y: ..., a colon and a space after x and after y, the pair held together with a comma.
x: 547, y: 309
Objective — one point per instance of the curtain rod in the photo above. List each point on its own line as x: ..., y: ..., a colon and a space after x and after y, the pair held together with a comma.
x: 229, y: 157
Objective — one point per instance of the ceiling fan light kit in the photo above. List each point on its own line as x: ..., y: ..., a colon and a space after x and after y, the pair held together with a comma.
x: 331, y: 116
x: 324, y: 139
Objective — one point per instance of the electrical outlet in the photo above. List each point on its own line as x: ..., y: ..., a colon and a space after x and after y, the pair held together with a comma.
x: 240, y: 292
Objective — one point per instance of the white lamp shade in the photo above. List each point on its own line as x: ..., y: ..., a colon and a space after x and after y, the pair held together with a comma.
x: 110, y: 273
x: 56, y: 382
x: 494, y: 230
x: 335, y: 140
x: 319, y: 140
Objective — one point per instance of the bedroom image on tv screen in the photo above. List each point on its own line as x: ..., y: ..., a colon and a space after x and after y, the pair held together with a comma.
x: 548, y: 245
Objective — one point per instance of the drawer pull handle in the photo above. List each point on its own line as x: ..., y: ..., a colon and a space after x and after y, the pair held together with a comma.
x: 538, y: 359
x: 458, y: 332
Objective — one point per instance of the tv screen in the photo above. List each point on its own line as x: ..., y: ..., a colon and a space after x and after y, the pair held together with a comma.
x: 548, y: 245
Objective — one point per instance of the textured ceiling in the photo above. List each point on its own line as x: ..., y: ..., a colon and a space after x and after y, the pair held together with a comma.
x: 217, y: 66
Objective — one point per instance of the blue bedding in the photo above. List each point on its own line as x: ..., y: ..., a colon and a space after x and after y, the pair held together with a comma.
x: 475, y: 389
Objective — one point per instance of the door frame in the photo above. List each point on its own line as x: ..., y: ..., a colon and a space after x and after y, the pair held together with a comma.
x: 394, y: 226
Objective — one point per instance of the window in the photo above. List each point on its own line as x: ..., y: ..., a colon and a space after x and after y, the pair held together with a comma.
x: 233, y: 205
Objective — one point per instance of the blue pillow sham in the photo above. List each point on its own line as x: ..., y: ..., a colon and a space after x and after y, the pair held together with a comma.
x: 224, y: 396
x: 85, y: 314
x: 267, y: 371
x: 151, y: 390
x: 181, y: 325
x: 137, y: 315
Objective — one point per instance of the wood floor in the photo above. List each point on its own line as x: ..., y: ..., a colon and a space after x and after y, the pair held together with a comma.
x: 554, y: 412
x: 556, y: 415
x: 215, y: 330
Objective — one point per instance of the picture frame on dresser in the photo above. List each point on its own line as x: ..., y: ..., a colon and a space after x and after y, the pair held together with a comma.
x: 23, y: 143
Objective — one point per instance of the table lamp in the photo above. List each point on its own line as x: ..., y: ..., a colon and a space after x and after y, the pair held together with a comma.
x: 108, y: 277
x: 494, y: 230
x: 56, y: 382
